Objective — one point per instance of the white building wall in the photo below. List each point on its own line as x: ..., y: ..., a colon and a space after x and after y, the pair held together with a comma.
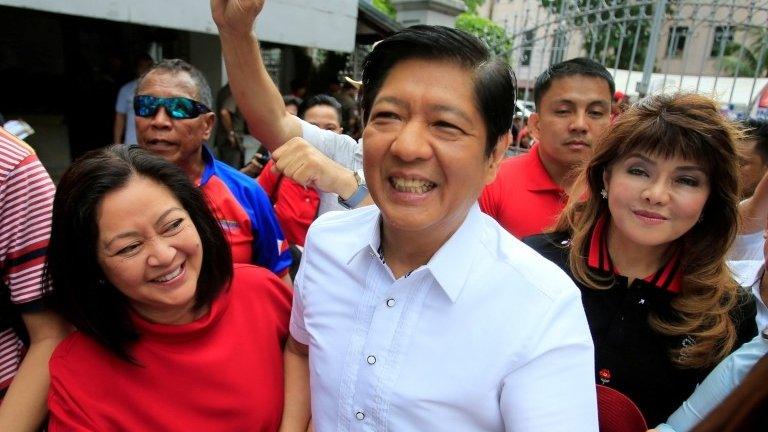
x: 326, y: 24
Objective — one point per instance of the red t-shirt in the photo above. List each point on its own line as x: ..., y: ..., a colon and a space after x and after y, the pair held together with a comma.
x: 222, y: 372
x: 523, y: 199
x: 295, y: 205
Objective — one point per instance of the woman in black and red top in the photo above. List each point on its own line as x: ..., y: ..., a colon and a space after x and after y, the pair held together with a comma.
x: 646, y: 246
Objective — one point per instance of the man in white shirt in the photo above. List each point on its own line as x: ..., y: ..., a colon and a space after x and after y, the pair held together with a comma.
x: 422, y: 313
x: 124, y: 129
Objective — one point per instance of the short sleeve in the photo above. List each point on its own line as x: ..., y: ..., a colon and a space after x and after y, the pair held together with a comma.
x: 340, y: 148
x: 124, y: 98
x: 25, y: 218
x: 554, y: 389
x: 270, y: 250
x: 297, y: 326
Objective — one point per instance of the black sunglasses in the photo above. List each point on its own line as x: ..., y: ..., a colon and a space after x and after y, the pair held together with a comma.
x: 176, y: 107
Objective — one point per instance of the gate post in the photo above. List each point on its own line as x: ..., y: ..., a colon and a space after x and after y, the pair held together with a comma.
x: 650, y: 55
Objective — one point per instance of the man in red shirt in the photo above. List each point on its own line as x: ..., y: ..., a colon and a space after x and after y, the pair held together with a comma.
x: 573, y: 108
x: 296, y: 205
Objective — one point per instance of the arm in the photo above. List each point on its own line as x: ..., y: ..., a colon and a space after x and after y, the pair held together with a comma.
x: 554, y: 388
x: 257, y: 97
x: 119, y: 128
x: 226, y: 122
x: 24, y: 406
x: 296, y: 411
x: 716, y: 386
x: 306, y: 165
x: 754, y: 210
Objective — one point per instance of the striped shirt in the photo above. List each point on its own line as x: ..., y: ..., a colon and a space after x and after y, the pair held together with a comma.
x: 26, y: 199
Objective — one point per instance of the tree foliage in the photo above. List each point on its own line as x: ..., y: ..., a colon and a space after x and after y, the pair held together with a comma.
x: 745, y: 60
x: 386, y: 7
x: 472, y: 5
x: 615, y: 39
x: 488, y: 31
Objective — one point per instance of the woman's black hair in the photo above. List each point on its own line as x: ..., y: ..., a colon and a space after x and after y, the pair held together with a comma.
x: 76, y: 285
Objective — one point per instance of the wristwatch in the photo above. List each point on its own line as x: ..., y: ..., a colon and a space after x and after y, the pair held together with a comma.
x: 360, y: 193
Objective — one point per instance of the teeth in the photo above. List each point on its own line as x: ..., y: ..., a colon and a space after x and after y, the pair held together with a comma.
x: 169, y: 276
x: 412, y: 185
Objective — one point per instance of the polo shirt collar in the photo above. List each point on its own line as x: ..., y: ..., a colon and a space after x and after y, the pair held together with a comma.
x: 668, y: 277
x: 538, y: 178
x: 450, y: 266
x: 209, y: 168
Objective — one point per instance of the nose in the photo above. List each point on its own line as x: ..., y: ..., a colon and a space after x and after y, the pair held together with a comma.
x: 161, y: 119
x: 579, y: 122
x: 412, y: 142
x: 161, y: 252
x: 656, y: 192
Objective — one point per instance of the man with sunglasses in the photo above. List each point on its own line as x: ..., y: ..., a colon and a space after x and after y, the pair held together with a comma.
x: 173, y: 120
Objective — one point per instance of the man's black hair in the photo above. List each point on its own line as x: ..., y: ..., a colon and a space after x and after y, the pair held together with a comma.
x: 494, y: 81
x: 292, y: 100
x: 321, y: 99
x: 758, y: 131
x: 577, y: 66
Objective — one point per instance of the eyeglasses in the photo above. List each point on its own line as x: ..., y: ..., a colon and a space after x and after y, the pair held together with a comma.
x: 176, y: 107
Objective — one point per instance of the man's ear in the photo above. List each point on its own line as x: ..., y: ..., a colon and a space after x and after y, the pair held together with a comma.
x: 533, y: 126
x: 208, y: 120
x: 497, y: 156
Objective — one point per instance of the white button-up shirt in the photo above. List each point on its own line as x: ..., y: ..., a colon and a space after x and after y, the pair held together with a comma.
x: 340, y: 148
x: 487, y: 336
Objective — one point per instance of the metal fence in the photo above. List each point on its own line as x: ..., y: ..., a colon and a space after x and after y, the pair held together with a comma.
x: 714, y: 47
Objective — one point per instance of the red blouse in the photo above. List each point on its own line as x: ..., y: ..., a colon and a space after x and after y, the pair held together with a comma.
x: 222, y: 372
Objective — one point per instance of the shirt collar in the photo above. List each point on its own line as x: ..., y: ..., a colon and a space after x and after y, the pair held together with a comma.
x: 450, y: 266
x: 668, y: 277
x: 538, y: 177
x: 209, y: 168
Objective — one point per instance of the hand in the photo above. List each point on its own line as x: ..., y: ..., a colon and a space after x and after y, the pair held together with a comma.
x: 306, y: 165
x: 235, y: 16
x: 252, y: 168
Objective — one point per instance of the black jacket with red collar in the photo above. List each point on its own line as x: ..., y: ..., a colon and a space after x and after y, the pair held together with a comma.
x: 630, y: 356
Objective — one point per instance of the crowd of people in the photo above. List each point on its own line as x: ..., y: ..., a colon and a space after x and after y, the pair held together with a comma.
x: 374, y: 258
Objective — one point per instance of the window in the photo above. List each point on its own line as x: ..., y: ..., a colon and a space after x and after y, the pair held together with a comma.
x: 676, y: 41
x: 724, y: 36
x: 527, y: 47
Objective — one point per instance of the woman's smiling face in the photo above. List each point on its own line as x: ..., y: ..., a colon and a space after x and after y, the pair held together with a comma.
x: 654, y: 200
x: 150, y: 250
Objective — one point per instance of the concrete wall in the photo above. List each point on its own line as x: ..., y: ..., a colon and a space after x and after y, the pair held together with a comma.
x: 326, y: 24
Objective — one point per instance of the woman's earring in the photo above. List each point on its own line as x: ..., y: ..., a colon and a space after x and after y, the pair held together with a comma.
x: 701, y: 218
x: 604, y: 193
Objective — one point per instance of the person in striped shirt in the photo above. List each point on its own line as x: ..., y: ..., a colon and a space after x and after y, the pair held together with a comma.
x: 28, y: 332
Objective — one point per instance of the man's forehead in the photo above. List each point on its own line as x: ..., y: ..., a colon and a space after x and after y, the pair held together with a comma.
x: 572, y: 87
x: 170, y: 83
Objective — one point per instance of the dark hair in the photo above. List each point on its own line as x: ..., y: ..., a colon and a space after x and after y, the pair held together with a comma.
x: 494, y: 81
x: 292, y: 100
x: 78, y: 288
x: 577, y: 66
x: 321, y: 99
x: 691, y: 127
x: 174, y: 66
x: 758, y: 131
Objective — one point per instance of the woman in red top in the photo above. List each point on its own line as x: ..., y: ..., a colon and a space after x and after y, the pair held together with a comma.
x: 170, y: 337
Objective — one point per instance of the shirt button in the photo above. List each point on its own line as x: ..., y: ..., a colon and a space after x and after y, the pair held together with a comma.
x: 371, y: 360
x: 391, y: 302
x: 360, y: 415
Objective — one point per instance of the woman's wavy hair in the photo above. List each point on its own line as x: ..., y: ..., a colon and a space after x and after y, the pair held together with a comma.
x: 691, y: 127
x: 76, y: 285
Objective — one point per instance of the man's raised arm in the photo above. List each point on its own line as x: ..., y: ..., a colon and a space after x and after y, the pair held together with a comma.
x: 257, y: 97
